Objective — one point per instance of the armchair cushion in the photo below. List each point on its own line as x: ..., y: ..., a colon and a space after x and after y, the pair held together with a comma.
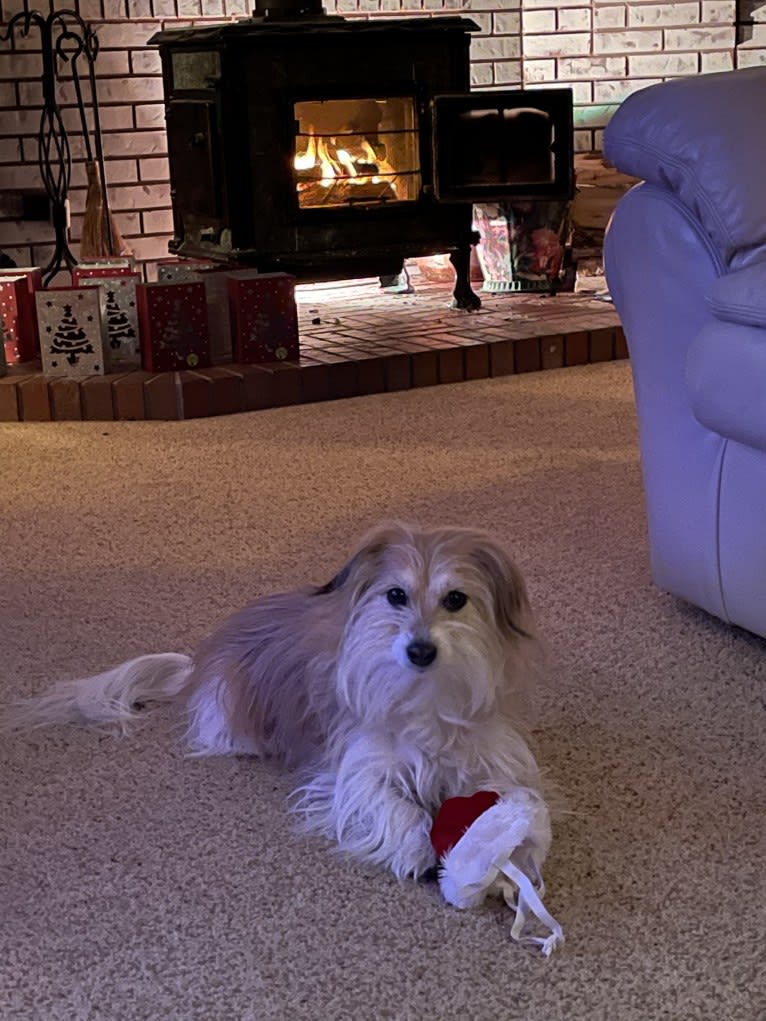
x: 740, y: 297
x: 702, y: 138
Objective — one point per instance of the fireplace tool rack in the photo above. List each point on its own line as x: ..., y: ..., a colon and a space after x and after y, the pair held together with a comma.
x: 65, y: 38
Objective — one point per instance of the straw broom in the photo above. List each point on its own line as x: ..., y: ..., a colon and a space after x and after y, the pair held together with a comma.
x: 100, y: 235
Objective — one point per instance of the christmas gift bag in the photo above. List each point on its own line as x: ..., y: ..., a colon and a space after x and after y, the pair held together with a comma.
x: 123, y: 351
x: 32, y: 274
x: 215, y: 279
x: 3, y: 362
x: 174, y: 326
x: 72, y: 330
x: 264, y: 317
x: 17, y: 307
x: 103, y: 268
x: 181, y: 270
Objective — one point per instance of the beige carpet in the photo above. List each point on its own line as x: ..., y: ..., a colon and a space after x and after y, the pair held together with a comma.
x: 139, y: 885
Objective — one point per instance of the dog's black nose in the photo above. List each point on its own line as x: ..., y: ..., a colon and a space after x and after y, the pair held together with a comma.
x: 421, y: 653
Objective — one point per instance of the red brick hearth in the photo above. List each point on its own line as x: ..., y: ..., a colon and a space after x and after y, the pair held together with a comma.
x: 355, y: 340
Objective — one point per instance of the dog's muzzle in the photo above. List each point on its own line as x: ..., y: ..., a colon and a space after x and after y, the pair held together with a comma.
x: 421, y: 653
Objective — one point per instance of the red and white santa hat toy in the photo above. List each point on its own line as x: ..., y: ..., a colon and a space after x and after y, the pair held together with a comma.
x: 489, y: 845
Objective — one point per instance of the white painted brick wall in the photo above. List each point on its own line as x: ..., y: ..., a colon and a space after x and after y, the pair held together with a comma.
x: 718, y: 12
x: 536, y: 72
x: 578, y: 19
x: 712, y: 63
x: 594, y: 67
x: 505, y: 22
x: 662, y: 65
x: 538, y: 22
x: 630, y: 41
x: 559, y: 44
x: 645, y: 15
x: 602, y: 49
x: 750, y: 58
x: 610, y: 17
x: 636, y: 43
x: 699, y: 39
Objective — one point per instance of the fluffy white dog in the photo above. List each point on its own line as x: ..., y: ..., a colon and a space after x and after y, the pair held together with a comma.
x: 400, y: 683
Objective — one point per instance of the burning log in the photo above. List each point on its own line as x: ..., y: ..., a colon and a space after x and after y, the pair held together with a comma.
x: 332, y: 172
x: 340, y: 191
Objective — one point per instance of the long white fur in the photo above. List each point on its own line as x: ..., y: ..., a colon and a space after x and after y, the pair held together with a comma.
x: 319, y: 679
x: 108, y: 698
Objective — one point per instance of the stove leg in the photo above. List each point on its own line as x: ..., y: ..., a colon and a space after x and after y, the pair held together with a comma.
x: 463, y: 295
x: 397, y: 284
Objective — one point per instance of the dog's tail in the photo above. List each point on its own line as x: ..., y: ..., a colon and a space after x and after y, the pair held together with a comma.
x: 114, y: 697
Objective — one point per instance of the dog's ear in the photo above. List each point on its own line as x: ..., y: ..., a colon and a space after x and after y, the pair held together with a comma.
x: 358, y: 572
x: 509, y: 591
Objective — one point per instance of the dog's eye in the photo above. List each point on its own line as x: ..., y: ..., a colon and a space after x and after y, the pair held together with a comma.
x: 454, y: 601
x: 397, y: 597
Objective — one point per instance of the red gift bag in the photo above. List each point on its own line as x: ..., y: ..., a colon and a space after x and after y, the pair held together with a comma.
x: 174, y: 326
x: 264, y: 318
x: 87, y: 271
x: 17, y: 309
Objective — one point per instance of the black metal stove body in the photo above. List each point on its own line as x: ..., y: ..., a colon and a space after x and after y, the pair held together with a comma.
x: 330, y: 148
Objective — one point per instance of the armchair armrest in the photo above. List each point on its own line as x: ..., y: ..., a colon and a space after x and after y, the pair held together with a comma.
x: 741, y: 297
x: 726, y: 377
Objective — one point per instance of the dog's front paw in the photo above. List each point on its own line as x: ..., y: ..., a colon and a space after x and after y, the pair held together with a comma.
x: 415, y: 855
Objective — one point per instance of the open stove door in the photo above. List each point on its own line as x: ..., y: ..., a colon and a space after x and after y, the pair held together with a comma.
x: 490, y: 146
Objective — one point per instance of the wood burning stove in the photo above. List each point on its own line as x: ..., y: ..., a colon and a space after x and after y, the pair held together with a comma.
x: 333, y: 148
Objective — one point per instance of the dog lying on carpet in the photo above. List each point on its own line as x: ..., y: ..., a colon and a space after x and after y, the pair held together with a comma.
x: 400, y: 683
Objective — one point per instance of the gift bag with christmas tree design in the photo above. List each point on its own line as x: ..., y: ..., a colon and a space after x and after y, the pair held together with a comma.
x: 72, y: 323
x: 123, y: 349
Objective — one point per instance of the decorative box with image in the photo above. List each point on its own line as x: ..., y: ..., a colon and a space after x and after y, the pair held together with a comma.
x: 264, y: 317
x: 72, y: 322
x: 174, y: 326
x: 123, y: 348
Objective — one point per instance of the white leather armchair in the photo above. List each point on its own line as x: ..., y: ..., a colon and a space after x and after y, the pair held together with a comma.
x: 685, y: 257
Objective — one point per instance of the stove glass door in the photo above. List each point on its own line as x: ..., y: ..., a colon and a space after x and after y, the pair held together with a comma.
x: 351, y: 152
x: 494, y: 145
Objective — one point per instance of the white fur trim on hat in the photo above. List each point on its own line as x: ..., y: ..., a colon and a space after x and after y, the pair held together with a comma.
x: 507, y: 842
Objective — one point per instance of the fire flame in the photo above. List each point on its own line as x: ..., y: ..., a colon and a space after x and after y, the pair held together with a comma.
x: 335, y: 163
x: 306, y: 160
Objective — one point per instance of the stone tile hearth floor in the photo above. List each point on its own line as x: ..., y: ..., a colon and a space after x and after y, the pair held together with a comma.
x: 355, y: 339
